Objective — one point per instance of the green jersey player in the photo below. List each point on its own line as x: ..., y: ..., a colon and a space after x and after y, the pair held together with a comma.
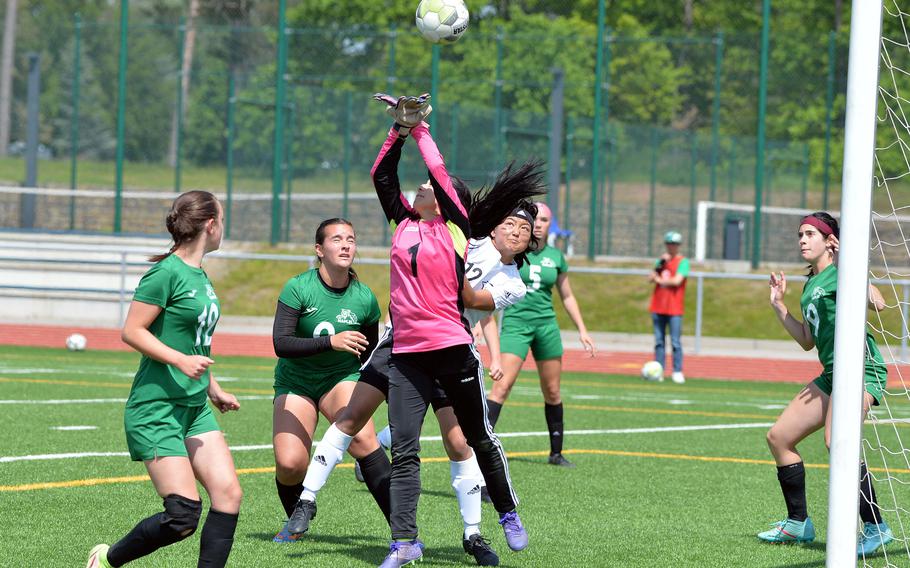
x: 325, y: 321
x: 169, y: 424
x: 530, y: 325
x: 810, y: 410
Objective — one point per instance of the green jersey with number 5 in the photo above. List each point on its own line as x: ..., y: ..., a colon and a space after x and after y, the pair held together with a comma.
x: 324, y: 311
x: 189, y: 313
x: 539, y: 274
x: 818, y: 307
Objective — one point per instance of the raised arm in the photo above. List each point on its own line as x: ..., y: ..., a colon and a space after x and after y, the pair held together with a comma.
x: 385, y: 178
x: 798, y: 330
x: 449, y: 205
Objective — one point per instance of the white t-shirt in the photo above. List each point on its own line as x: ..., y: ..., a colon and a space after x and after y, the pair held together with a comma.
x: 485, y: 271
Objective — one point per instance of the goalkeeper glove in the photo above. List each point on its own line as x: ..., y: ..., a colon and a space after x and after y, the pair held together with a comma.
x: 407, y: 112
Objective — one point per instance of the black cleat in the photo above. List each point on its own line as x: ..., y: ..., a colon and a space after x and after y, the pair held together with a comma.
x: 485, y: 495
x: 479, y: 548
x: 558, y: 459
x: 357, y: 473
x: 304, y: 512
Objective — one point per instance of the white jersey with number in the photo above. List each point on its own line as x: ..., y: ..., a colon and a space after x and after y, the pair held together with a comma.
x: 485, y: 271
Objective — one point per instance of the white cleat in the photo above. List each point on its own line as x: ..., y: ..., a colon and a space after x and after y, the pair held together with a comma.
x: 678, y: 377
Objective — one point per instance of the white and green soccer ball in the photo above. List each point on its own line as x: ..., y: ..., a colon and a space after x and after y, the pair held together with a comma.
x: 652, y: 371
x: 442, y: 21
x: 76, y: 342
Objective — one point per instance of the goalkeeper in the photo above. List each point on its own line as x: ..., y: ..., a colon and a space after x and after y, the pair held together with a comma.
x: 810, y: 410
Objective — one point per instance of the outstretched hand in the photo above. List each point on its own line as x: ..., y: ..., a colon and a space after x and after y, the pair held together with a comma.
x: 778, y: 284
x: 407, y: 111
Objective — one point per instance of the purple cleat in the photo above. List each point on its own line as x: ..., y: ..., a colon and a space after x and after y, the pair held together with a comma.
x: 516, y: 535
x: 403, y: 553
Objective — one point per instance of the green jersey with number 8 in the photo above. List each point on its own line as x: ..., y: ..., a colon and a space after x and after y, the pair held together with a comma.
x: 324, y: 311
x: 189, y: 313
x: 539, y: 274
x: 818, y: 306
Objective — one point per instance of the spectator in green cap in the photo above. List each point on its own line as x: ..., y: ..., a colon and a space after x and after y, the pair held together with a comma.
x: 668, y: 302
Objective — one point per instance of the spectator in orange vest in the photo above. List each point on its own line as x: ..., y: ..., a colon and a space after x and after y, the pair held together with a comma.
x: 668, y: 302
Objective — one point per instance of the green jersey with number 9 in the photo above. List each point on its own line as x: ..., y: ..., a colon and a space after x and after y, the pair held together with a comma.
x: 818, y: 306
x: 189, y: 313
x: 539, y: 274
x: 324, y: 311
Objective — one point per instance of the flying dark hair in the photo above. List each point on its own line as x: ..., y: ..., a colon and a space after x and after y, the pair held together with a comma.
x: 187, y: 218
x: 514, y: 188
x: 320, y: 237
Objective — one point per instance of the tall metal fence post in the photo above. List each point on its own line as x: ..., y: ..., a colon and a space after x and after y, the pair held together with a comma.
x: 231, y: 132
x: 693, y: 180
x: 760, y: 137
x: 178, y: 112
x: 498, y: 125
x: 288, y: 168
x: 348, y: 112
x: 122, y: 315
x: 699, y: 310
x: 595, y: 142
x: 453, y: 136
x: 555, y: 149
x: 278, y: 153
x: 434, y: 83
x: 715, y: 127
x: 390, y: 88
x: 74, y: 120
x: 612, y: 151
x: 829, y: 111
x: 652, y: 196
x: 121, y: 113
x: 804, y: 188
x: 570, y: 143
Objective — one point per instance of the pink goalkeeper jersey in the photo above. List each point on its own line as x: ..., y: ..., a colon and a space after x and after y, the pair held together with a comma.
x: 427, y: 257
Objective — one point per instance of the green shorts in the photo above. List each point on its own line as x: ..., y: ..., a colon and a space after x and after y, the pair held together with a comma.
x: 542, y: 337
x: 874, y: 379
x: 314, y: 388
x: 160, y: 428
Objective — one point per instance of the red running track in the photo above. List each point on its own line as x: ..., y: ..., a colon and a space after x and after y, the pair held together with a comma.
x: 574, y: 360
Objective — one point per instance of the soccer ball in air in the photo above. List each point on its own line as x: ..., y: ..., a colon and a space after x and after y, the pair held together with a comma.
x: 442, y: 21
x: 76, y: 342
x: 652, y: 371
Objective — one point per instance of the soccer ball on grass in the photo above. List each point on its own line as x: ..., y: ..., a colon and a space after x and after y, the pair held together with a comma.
x: 652, y: 371
x: 76, y: 342
x: 442, y: 21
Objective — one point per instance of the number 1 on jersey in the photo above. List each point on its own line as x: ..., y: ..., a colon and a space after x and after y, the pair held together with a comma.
x: 206, y: 320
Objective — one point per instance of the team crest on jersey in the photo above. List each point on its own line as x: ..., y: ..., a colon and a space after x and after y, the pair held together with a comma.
x: 818, y: 292
x: 210, y: 292
x: 547, y: 263
x: 347, y: 316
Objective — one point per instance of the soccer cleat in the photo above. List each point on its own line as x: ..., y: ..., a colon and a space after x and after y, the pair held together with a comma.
x: 678, y: 377
x: 789, y: 530
x: 558, y: 459
x: 516, y: 535
x: 357, y: 473
x: 873, y: 537
x: 304, y: 512
x: 284, y: 536
x: 480, y: 549
x: 97, y: 558
x: 484, y: 494
x: 403, y: 553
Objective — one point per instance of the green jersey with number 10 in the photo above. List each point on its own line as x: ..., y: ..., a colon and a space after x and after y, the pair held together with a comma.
x: 818, y: 306
x: 539, y: 274
x: 189, y: 313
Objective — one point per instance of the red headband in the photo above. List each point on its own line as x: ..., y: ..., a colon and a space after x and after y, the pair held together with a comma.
x: 818, y: 224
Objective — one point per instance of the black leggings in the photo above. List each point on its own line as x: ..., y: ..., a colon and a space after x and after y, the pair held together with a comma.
x: 412, y: 381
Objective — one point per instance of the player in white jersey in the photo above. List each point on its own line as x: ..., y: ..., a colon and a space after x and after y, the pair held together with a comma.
x: 491, y: 269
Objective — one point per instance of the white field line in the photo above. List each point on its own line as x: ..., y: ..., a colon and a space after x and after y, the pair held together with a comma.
x: 40, y: 457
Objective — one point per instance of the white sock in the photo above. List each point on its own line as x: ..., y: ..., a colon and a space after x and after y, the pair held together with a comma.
x: 385, y: 438
x: 466, y: 481
x: 327, y: 455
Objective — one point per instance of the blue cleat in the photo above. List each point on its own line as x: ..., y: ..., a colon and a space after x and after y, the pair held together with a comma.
x: 516, y: 535
x: 284, y: 535
x: 873, y: 537
x: 403, y: 553
x: 789, y: 530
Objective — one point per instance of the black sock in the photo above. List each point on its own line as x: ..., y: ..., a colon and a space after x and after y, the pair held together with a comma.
x: 553, y: 413
x: 868, y: 505
x: 493, y: 410
x: 155, y: 532
x: 377, y: 474
x: 289, y: 495
x: 217, y: 539
x: 792, y: 480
